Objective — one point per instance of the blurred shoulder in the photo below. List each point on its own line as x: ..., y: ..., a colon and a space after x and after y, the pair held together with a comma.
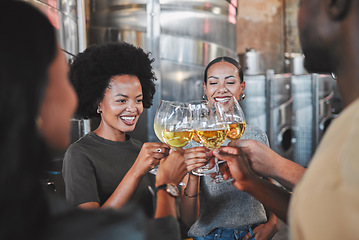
x: 254, y: 132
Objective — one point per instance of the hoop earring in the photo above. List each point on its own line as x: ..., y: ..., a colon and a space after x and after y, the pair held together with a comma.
x: 204, y: 97
x: 242, y: 97
x: 334, y: 76
x: 98, y: 110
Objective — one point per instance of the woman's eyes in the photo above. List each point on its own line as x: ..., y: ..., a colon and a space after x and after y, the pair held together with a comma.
x: 125, y: 100
x: 229, y: 82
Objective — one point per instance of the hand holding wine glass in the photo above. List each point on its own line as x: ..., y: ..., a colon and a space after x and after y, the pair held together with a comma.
x: 211, y: 129
x: 235, y: 119
x: 200, y: 109
x: 158, y: 124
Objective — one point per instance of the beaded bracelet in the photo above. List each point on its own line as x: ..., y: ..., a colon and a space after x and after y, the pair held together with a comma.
x: 185, y: 194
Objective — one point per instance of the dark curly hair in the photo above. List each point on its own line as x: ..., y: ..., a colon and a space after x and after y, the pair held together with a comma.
x: 92, y: 70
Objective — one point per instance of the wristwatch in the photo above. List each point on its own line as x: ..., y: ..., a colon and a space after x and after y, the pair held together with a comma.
x: 170, y: 188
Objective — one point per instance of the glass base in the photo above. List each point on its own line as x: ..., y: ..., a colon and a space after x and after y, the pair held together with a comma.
x: 201, y: 171
x: 220, y: 179
x: 154, y: 170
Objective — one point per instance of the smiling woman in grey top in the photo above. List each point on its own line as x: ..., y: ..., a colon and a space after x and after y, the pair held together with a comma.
x: 219, y: 210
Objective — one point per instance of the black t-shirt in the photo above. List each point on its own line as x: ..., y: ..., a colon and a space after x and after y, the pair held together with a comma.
x: 93, y: 167
x: 127, y: 223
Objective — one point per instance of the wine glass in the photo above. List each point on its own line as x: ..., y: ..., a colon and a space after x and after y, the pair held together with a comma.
x: 235, y: 119
x: 158, y: 123
x: 159, y: 120
x: 212, y: 131
x: 177, y: 131
x: 199, y: 109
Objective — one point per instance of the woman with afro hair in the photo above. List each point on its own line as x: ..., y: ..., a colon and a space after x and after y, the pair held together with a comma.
x: 106, y: 167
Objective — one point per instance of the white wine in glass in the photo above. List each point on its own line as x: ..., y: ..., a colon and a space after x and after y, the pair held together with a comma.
x: 160, y: 117
x: 199, y: 109
x: 235, y: 118
x: 158, y: 123
x: 158, y: 131
x: 212, y: 138
x: 177, y: 131
x: 211, y: 128
x: 177, y: 139
x: 235, y: 130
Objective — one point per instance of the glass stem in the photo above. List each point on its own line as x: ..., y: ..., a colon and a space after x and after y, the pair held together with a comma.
x: 216, y: 165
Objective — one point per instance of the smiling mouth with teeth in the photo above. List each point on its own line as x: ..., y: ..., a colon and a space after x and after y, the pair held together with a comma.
x: 223, y: 99
x: 129, y: 119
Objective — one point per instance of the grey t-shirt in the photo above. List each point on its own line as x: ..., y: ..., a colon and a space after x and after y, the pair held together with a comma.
x: 93, y: 167
x: 223, y: 205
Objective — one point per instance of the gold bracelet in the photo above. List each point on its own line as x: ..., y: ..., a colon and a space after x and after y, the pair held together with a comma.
x: 189, y: 196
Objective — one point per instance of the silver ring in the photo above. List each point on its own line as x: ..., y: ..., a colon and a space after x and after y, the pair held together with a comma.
x: 159, y: 150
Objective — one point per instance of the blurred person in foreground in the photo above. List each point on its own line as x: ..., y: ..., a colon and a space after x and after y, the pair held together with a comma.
x: 324, y: 203
x: 39, y: 101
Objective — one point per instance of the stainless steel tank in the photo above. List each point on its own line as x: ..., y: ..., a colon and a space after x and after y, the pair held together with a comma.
x: 182, y: 35
x: 312, y: 109
x: 252, y: 62
x: 294, y: 63
x: 268, y: 105
x: 324, y: 93
x: 64, y: 17
x: 303, y: 120
x: 255, y: 104
x: 279, y: 113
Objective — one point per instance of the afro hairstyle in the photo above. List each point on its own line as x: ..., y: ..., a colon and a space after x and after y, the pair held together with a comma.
x: 91, y: 72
